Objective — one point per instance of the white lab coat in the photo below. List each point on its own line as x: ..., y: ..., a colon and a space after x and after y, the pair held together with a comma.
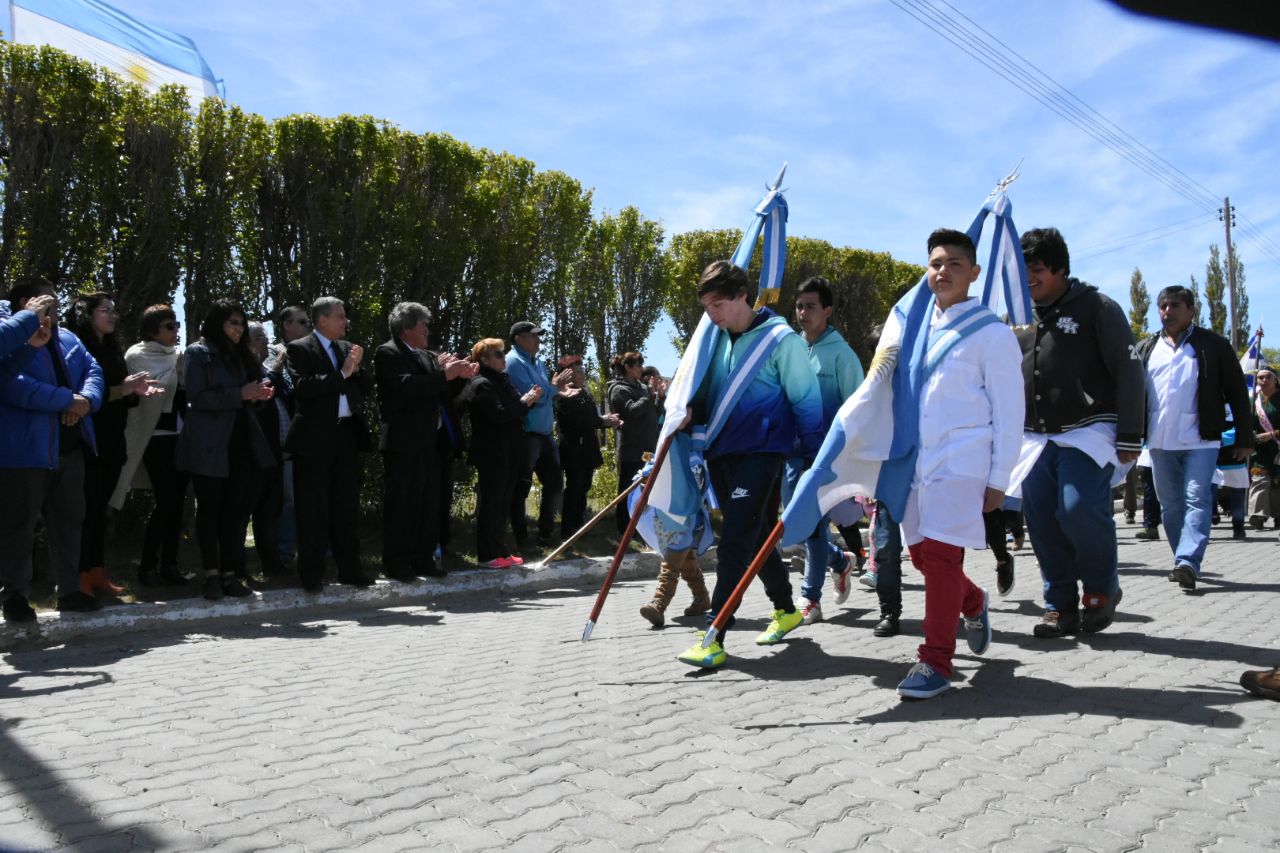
x: 971, y: 413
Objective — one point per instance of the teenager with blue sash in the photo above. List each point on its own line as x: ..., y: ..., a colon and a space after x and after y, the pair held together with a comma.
x: 965, y: 380
x: 758, y: 399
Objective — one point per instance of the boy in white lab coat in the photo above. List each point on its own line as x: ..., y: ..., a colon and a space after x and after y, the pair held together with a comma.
x: 971, y: 410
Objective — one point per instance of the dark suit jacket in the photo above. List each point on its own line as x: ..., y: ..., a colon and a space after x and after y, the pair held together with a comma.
x: 317, y: 384
x: 411, y: 391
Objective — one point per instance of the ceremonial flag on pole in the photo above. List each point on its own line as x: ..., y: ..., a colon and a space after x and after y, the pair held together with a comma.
x: 102, y: 34
x: 1253, y: 360
x: 676, y: 499
x: 870, y: 450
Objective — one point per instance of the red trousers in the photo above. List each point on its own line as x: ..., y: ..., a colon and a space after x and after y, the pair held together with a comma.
x: 947, y: 594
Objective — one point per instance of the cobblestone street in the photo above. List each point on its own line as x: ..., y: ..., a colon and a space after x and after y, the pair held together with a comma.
x: 482, y: 722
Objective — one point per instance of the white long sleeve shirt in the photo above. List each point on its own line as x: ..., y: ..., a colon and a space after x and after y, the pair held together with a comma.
x: 971, y: 412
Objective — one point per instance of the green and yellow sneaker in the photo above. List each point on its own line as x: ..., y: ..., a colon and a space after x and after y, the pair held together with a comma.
x: 711, y: 657
x: 783, y: 623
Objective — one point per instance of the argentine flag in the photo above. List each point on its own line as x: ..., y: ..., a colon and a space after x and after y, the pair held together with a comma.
x: 675, y: 501
x: 103, y: 35
x: 870, y: 450
x: 1253, y: 360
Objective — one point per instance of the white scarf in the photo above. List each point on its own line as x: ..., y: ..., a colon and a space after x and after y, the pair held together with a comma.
x: 165, y: 365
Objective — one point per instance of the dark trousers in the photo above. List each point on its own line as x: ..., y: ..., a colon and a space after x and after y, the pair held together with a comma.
x: 1150, y: 503
x: 627, y: 469
x: 543, y: 459
x: 886, y: 560
x: 577, y: 483
x: 169, y: 487
x: 223, y: 505
x: 495, y: 483
x: 445, y: 504
x: 29, y: 494
x: 268, y: 503
x: 744, y: 484
x: 1131, y: 493
x: 99, y: 482
x: 326, y: 495
x: 410, y: 512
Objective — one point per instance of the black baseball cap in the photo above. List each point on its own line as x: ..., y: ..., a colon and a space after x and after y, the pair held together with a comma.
x: 524, y: 327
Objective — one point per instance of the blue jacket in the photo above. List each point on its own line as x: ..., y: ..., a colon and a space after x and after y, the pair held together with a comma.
x: 31, y: 402
x: 15, y: 330
x: 781, y: 406
x: 839, y: 372
x: 525, y: 372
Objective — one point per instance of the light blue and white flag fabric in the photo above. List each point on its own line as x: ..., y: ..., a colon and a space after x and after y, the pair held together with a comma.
x: 676, y: 500
x: 102, y: 34
x: 1253, y: 360
x: 871, y: 448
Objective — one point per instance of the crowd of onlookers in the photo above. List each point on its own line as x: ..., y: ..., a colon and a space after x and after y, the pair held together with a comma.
x: 274, y: 435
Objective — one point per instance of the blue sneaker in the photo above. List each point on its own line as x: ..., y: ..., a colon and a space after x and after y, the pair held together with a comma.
x: 978, y: 629
x: 923, y: 683
x: 869, y: 579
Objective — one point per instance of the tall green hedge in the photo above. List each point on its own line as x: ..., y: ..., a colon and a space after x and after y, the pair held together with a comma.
x: 107, y: 186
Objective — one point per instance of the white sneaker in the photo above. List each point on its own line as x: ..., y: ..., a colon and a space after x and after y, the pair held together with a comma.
x: 840, y: 579
x: 868, y: 580
x: 812, y: 612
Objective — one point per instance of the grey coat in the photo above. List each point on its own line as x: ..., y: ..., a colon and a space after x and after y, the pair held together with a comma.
x: 214, y: 380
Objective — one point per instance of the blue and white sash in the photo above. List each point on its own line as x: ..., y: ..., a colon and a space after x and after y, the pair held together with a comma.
x: 757, y: 355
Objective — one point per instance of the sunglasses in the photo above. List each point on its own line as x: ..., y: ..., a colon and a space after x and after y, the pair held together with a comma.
x: 171, y: 326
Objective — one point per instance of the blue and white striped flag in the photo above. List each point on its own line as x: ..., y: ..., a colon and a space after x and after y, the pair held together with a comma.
x: 675, y: 499
x: 870, y: 450
x: 102, y: 34
x: 1253, y: 360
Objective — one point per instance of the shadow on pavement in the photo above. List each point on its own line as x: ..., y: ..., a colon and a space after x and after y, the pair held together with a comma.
x: 995, y: 691
x: 54, y: 804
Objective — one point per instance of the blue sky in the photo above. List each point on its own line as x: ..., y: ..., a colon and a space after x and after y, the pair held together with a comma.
x: 685, y: 109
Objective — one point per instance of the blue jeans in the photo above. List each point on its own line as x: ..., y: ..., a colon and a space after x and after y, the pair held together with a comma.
x: 287, y: 533
x: 821, y: 554
x: 1066, y: 500
x: 1184, y: 484
x: 744, y: 483
x: 886, y: 536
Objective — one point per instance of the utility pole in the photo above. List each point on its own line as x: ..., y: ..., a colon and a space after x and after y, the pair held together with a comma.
x: 1228, y: 215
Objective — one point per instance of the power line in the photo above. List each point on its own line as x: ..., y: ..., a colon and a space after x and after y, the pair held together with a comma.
x: 1198, y: 218
x: 991, y: 52
x: 1140, y: 242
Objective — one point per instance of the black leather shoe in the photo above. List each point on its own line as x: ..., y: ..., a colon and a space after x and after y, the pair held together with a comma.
x: 887, y: 626
x: 78, y: 602
x: 1186, y: 578
x: 18, y: 610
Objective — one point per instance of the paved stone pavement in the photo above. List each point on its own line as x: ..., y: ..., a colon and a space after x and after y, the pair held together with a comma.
x: 484, y: 723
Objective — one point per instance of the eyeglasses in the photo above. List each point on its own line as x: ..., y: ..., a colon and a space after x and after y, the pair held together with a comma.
x: 171, y: 326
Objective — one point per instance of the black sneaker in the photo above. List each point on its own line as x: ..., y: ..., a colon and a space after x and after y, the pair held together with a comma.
x: 1055, y: 624
x: 235, y: 587
x: 1186, y: 578
x: 1151, y: 533
x: 1004, y: 577
x: 887, y: 626
x: 78, y: 602
x: 1099, y: 611
x: 1237, y: 530
x: 18, y: 610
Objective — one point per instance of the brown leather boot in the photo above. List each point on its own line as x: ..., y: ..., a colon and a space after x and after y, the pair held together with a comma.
x: 656, y: 609
x: 1265, y: 683
x: 692, y: 574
